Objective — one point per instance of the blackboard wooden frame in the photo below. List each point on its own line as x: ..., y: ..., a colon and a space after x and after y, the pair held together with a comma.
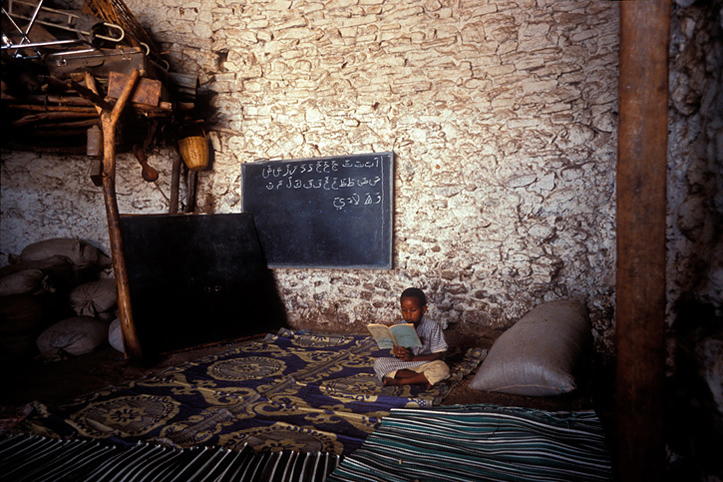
x: 326, y: 212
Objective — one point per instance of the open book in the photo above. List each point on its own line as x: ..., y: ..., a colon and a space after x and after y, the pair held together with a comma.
x: 401, y: 334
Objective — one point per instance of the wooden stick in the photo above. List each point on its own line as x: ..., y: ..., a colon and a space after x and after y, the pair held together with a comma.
x: 90, y: 82
x: 175, y: 182
x: 51, y: 116
x: 66, y: 100
x: 83, y: 91
x: 72, y: 125
x: 46, y: 99
x: 109, y: 119
x: 64, y: 133
x: 51, y: 108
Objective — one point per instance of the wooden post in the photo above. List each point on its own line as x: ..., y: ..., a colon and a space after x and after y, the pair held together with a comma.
x: 175, y: 183
x: 109, y: 119
x: 639, y: 447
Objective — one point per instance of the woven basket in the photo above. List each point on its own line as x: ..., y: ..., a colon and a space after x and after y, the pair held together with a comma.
x: 194, y: 151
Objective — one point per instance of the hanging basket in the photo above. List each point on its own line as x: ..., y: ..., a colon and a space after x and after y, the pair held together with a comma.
x: 194, y: 151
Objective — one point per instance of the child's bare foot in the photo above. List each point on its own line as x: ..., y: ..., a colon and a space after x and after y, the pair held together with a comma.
x: 391, y: 381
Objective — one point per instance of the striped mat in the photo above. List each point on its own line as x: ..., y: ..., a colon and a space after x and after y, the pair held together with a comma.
x: 480, y: 443
x: 33, y: 458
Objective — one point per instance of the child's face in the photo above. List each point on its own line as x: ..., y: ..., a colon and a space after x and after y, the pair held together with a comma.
x: 412, y: 311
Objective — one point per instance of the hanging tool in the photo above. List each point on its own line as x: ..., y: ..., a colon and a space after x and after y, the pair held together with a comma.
x: 149, y: 173
x: 89, y: 29
x: 7, y: 42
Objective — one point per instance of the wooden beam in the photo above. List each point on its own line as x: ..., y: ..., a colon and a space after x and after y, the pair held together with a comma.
x: 639, y: 447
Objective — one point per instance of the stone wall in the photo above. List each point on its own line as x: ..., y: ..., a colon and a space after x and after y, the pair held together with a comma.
x: 695, y: 154
x: 695, y: 242
x: 502, y: 116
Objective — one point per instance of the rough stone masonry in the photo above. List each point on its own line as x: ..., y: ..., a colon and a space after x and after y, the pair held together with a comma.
x: 502, y: 117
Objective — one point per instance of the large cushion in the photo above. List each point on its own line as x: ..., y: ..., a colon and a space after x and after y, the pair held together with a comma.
x: 538, y: 355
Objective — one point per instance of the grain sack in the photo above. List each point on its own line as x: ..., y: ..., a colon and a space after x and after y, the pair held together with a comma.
x: 73, y: 336
x: 115, y: 336
x: 54, y: 266
x: 539, y: 354
x: 60, y: 269
x: 95, y: 298
x: 26, y: 282
x: 82, y: 254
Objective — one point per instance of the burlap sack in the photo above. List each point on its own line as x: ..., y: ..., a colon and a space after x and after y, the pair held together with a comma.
x: 82, y: 254
x: 73, y: 336
x: 95, y: 298
x: 538, y: 355
x: 115, y: 336
x: 26, y: 282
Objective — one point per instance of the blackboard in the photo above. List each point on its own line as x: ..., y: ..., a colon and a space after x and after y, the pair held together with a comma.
x: 196, y: 279
x: 328, y: 212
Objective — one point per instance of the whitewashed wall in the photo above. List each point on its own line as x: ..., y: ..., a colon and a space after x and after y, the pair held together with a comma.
x: 501, y: 114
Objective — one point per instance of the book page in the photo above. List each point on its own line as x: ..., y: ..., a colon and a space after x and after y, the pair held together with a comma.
x: 381, y: 335
x: 405, y: 335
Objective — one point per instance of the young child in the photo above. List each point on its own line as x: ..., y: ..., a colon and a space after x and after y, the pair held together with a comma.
x: 416, y: 365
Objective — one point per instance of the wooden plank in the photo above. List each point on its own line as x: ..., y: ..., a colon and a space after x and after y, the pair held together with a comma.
x: 639, y: 448
x: 147, y: 91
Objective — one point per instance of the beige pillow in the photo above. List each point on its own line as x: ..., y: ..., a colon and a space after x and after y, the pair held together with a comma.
x: 538, y: 355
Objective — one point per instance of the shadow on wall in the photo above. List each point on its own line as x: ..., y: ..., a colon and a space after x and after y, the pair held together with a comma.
x: 695, y: 389
x: 695, y: 393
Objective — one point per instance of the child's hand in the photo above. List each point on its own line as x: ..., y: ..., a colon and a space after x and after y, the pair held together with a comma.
x: 402, y: 353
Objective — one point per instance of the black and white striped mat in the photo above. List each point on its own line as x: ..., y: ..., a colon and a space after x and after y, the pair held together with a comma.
x: 30, y: 458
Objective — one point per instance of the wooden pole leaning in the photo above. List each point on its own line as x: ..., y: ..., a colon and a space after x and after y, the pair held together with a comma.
x: 109, y: 120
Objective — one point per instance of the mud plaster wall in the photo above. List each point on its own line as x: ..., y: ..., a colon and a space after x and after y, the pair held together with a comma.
x: 502, y: 116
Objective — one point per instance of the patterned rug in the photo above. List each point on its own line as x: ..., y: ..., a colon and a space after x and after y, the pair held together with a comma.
x: 290, y: 391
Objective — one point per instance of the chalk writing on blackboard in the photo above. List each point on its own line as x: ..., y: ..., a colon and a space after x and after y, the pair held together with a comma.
x: 322, y: 175
x: 325, y: 212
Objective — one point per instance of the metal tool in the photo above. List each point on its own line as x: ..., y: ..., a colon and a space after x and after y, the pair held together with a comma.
x: 88, y: 28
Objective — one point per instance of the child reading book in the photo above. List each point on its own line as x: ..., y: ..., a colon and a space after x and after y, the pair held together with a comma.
x: 415, y: 364
x: 402, y: 334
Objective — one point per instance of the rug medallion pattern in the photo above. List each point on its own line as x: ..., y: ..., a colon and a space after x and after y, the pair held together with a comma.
x: 295, y: 391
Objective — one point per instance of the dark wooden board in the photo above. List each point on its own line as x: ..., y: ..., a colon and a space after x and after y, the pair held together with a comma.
x: 197, y: 279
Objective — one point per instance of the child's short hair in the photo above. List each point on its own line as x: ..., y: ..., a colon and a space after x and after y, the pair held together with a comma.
x: 415, y: 293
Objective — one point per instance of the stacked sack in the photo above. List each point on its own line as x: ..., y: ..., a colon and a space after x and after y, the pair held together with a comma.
x: 53, y: 301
